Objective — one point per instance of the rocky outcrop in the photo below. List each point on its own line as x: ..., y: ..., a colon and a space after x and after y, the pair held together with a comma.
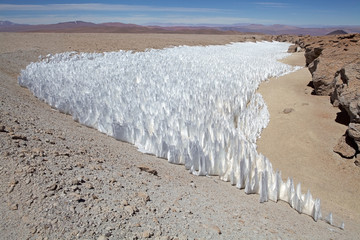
x: 347, y: 96
x: 326, y: 56
x: 322, y: 78
x: 346, y: 93
x: 334, y: 63
x: 336, y: 72
x: 312, y: 53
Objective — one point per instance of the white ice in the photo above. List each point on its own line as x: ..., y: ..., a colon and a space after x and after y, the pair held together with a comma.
x: 195, y: 106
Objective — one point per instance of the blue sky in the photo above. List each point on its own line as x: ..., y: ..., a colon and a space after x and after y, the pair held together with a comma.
x: 299, y: 12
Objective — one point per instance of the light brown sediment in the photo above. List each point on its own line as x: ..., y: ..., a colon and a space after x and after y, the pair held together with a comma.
x: 300, y: 143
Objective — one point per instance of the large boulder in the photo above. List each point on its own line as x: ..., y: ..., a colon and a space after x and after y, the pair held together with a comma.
x: 312, y: 53
x: 325, y: 56
x: 294, y: 48
x: 354, y: 133
x: 322, y: 71
x: 347, y: 90
x: 345, y: 147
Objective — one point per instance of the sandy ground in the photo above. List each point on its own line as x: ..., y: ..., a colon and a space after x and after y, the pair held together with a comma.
x: 300, y: 143
x: 63, y: 180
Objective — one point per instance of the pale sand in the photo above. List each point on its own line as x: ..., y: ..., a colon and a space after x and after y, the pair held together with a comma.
x: 294, y: 143
x: 95, y: 42
x: 300, y: 143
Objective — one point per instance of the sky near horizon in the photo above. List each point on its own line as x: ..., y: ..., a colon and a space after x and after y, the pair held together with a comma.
x: 187, y: 12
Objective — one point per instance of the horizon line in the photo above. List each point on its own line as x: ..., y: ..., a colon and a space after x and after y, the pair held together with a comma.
x: 170, y: 24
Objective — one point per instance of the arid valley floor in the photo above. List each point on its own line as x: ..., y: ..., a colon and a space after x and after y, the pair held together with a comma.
x: 62, y: 180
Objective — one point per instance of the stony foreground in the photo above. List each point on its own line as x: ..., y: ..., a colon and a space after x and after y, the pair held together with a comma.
x: 61, y: 180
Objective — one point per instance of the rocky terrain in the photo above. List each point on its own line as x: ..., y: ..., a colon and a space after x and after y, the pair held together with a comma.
x: 334, y: 62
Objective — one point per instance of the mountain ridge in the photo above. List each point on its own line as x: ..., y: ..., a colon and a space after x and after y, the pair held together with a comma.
x: 118, y: 27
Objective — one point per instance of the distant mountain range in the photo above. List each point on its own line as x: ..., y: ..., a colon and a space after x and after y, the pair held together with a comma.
x: 115, y: 27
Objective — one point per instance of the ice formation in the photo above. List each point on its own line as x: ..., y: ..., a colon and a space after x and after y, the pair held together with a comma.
x: 195, y: 106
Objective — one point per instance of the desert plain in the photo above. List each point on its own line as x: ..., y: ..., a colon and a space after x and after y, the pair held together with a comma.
x: 62, y: 180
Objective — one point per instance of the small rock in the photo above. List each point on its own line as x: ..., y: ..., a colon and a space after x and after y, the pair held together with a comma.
x: 79, y: 165
x: 217, y: 229
x: 98, y: 167
x: 130, y: 209
x: 13, y: 182
x: 19, y: 137
x: 2, y: 128
x: 345, y: 147
x: 147, y: 234
x: 76, y: 182
x: 164, y: 238
x: 112, y: 180
x: 52, y: 187
x: 102, y: 237
x: 67, y: 154
x: 109, y: 229
x: 7, y: 154
x: 144, y: 196
x: 75, y: 188
x: 30, y: 201
x: 175, y: 209
x: 148, y: 170
x: 38, y: 152
x: 166, y: 210
x: 288, y: 110
x: 14, y: 206
x: 100, y: 160
x: 49, y: 131
x: 89, y: 185
x: 72, y: 209
x: 181, y: 238
x: 357, y: 163
x: 213, y: 227
x: 11, y: 188
x: 50, y: 194
x: 189, y: 212
x: 77, y: 197
x: 33, y: 230
x: 124, y: 203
